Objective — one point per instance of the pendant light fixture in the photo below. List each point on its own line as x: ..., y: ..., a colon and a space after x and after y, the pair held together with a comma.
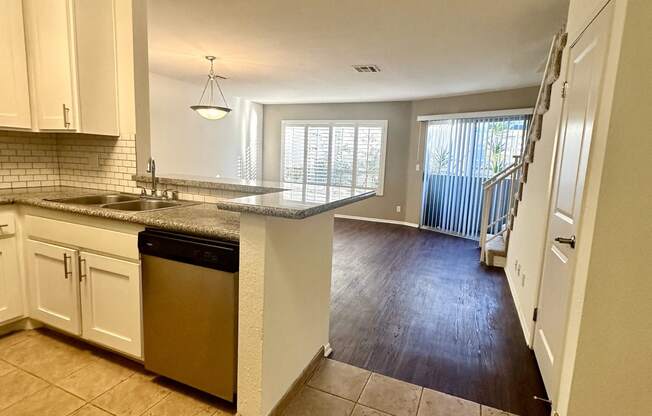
x: 209, y: 110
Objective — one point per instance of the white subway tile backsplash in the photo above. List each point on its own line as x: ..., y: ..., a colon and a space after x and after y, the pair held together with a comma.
x: 42, y: 159
x: 28, y: 159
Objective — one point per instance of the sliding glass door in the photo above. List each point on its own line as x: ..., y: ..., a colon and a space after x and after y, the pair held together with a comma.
x: 460, y: 155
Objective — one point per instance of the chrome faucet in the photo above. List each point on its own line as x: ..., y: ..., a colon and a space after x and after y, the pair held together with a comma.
x: 154, y: 192
x: 151, y: 168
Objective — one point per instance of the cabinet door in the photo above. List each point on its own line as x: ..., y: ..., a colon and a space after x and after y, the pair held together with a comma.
x: 53, y: 281
x: 97, y: 67
x: 14, y: 92
x: 11, y: 297
x: 51, y: 52
x: 111, y: 303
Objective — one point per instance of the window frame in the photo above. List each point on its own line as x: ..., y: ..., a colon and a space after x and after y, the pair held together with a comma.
x: 330, y: 124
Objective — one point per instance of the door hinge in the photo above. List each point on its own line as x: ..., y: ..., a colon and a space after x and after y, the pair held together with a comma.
x: 535, y: 314
x: 564, y: 89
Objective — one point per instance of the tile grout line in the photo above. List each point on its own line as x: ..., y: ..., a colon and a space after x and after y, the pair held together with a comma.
x: 152, y: 406
x: 84, y: 402
x: 103, y: 393
x: 29, y: 395
x: 364, y: 387
x: 50, y: 383
x: 420, y: 399
x: 328, y: 393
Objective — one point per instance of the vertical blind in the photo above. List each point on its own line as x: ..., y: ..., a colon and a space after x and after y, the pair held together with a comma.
x: 333, y: 158
x: 460, y: 155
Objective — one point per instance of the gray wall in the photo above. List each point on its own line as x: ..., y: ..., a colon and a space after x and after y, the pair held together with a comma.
x: 398, y: 116
x: 405, y: 141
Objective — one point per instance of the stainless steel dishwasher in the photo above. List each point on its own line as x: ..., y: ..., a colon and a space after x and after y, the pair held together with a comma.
x: 190, y: 291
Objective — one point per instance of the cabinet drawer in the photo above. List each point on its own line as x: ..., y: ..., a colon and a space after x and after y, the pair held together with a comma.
x: 7, y: 223
x: 92, y: 238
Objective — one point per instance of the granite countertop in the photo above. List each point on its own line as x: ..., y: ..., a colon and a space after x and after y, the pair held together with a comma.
x: 275, y: 199
x: 200, y: 219
x: 224, y: 184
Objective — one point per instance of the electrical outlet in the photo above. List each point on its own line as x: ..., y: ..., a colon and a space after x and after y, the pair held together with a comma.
x: 398, y: 208
x: 418, y: 167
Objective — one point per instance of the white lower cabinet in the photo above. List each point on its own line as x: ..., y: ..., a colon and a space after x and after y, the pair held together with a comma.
x: 11, y: 298
x: 86, y: 294
x: 110, y: 295
x: 54, y: 285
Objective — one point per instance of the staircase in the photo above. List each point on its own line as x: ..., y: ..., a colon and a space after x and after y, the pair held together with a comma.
x: 497, y: 224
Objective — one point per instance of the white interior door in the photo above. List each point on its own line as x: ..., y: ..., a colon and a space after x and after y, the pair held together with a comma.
x: 584, y: 76
x: 53, y: 280
x: 111, y: 306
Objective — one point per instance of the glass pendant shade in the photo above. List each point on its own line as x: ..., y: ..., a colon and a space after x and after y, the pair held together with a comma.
x: 211, y: 112
x: 209, y: 109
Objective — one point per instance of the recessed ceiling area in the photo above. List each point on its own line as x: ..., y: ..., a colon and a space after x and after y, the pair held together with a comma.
x: 298, y: 51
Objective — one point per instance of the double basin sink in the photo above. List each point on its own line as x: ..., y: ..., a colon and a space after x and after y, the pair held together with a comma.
x: 122, y: 202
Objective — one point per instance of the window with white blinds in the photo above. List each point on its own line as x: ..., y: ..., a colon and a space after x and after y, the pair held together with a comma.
x: 334, y: 157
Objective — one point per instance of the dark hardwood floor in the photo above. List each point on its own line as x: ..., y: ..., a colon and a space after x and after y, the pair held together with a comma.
x: 417, y: 306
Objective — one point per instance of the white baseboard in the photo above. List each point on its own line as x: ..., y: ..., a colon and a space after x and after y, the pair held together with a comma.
x: 352, y: 217
x: 519, y: 309
x: 327, y: 350
x: 19, y: 324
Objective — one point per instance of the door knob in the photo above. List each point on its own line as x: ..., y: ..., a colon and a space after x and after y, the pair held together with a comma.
x: 569, y: 241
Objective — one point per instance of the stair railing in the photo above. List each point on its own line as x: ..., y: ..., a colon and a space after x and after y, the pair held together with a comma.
x: 498, y: 222
x: 497, y: 203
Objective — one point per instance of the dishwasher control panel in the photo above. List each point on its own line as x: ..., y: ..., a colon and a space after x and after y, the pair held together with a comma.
x: 214, y: 254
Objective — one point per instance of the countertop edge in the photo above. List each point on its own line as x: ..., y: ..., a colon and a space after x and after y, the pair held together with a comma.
x: 233, y: 187
x: 289, y: 212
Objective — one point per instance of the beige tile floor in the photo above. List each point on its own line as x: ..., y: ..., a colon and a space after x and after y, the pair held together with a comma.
x: 46, y: 374
x: 338, y: 389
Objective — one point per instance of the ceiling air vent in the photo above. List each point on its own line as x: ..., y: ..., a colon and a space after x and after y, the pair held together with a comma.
x: 366, y: 68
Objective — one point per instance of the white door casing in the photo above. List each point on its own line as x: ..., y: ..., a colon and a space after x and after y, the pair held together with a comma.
x: 53, y: 281
x: 584, y: 75
x: 110, y: 300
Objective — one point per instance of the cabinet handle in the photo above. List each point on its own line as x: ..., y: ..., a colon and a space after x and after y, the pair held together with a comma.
x: 4, y: 225
x: 82, y: 270
x: 66, y: 273
x: 66, y: 123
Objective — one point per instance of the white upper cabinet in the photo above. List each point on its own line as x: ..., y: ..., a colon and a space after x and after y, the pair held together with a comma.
x: 71, y: 52
x: 14, y: 90
x: 97, y: 66
x: 50, y: 34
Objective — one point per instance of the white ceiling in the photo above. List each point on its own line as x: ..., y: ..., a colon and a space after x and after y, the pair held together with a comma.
x: 291, y: 51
